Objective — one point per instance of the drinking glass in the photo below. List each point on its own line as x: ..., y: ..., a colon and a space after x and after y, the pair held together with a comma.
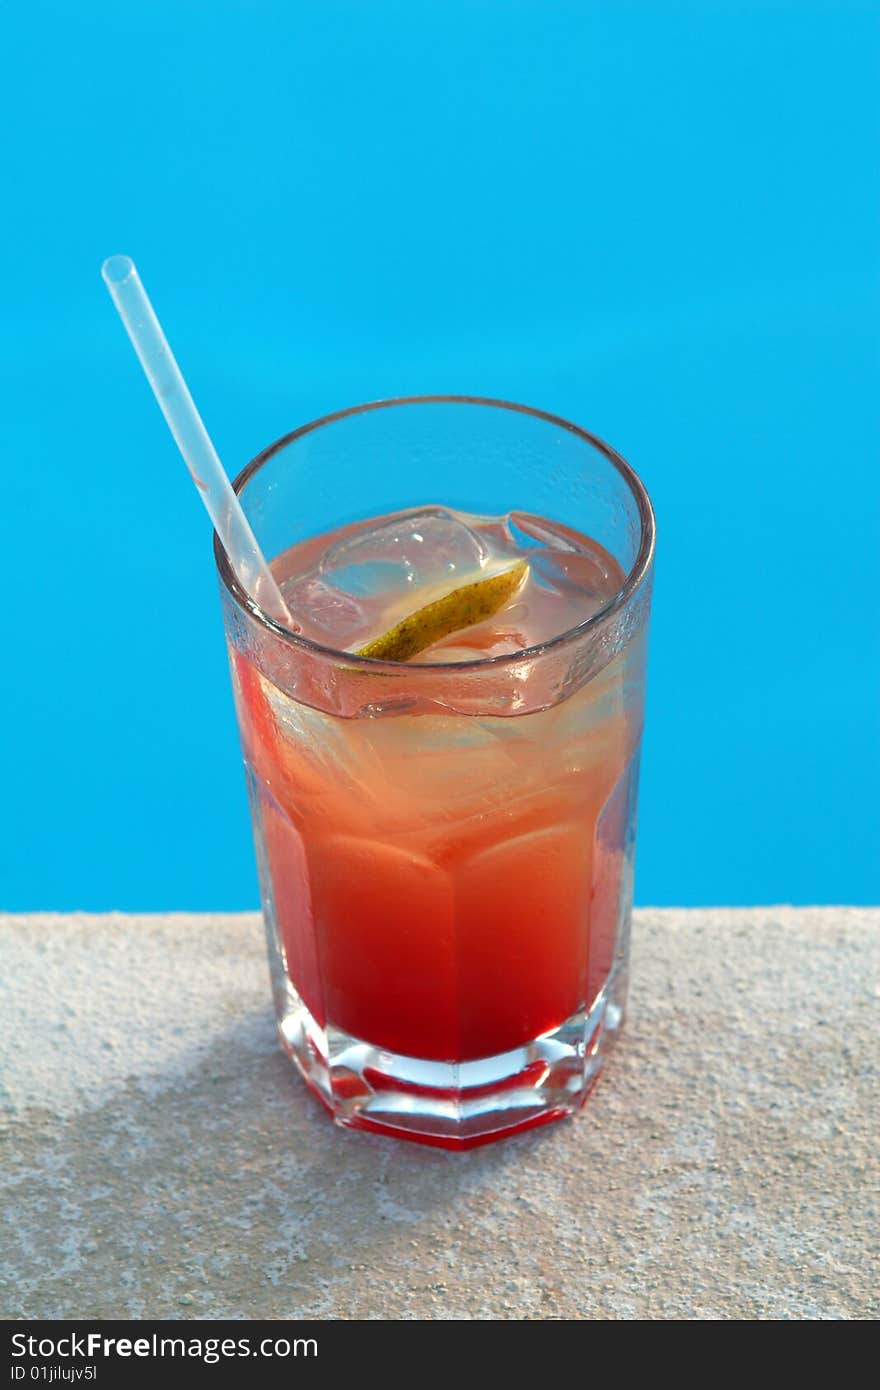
x: 445, y: 852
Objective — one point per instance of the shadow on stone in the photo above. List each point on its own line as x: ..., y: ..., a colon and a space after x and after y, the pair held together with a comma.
x: 225, y: 1191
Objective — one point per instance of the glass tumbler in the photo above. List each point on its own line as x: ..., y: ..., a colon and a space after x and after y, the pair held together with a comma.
x: 445, y: 852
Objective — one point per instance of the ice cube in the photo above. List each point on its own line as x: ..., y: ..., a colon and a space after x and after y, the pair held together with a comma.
x: 324, y: 762
x: 562, y: 560
x: 416, y: 551
x: 326, y: 613
x: 529, y: 532
x: 584, y: 574
x: 436, y: 763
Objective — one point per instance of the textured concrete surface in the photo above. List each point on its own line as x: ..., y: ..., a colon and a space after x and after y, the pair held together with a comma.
x: 160, y: 1157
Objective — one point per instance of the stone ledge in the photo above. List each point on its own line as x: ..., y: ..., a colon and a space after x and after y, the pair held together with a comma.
x: 160, y: 1158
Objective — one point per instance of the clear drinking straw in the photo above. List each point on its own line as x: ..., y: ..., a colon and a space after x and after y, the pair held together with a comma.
x: 185, y: 423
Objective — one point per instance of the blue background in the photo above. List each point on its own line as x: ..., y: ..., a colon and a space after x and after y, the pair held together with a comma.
x: 659, y: 219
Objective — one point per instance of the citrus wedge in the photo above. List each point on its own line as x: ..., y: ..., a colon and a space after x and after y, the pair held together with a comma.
x: 469, y: 604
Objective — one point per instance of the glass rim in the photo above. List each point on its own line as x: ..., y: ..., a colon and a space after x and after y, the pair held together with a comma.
x: 637, y: 572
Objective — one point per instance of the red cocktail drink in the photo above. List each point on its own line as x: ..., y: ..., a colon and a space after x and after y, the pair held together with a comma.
x: 445, y: 844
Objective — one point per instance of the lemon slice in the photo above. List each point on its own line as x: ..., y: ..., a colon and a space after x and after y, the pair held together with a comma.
x: 469, y: 604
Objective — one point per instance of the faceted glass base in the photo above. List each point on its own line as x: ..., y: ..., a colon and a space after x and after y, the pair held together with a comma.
x: 454, y: 1105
